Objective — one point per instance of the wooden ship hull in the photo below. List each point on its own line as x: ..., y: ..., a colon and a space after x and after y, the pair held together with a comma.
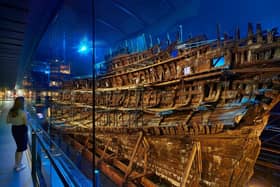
x: 187, y: 120
x: 190, y: 120
x: 220, y: 144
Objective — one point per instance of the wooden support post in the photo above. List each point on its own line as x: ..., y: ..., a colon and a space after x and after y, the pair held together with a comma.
x: 259, y: 33
x: 189, y: 165
x: 199, y: 158
x: 104, y: 151
x: 115, y: 176
x: 237, y: 34
x: 250, y: 34
x: 218, y: 36
x: 129, y: 168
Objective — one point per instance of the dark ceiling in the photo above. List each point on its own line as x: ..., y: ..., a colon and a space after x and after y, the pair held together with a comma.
x: 22, y: 24
x: 13, y: 22
x: 117, y: 19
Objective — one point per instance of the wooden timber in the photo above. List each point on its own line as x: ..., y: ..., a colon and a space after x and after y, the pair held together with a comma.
x: 186, y: 120
x: 188, y: 97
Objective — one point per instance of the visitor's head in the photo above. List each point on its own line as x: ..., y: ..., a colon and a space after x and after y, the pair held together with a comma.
x: 19, y: 103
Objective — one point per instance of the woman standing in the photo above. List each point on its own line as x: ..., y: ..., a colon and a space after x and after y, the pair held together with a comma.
x: 17, y: 117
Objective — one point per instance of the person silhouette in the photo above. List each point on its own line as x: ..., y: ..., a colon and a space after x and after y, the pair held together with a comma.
x: 17, y: 117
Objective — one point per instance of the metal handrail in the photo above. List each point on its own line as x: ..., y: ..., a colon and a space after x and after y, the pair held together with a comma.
x: 37, y: 136
x: 59, y: 172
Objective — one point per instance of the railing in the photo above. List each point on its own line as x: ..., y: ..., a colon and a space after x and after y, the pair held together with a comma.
x: 50, y: 166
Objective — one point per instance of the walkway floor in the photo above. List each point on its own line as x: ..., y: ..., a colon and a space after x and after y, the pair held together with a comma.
x: 8, y: 176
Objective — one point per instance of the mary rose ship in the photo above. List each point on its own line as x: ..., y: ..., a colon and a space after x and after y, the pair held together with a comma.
x: 188, y: 115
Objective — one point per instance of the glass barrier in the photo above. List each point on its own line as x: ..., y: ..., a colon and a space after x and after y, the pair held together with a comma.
x: 50, y: 165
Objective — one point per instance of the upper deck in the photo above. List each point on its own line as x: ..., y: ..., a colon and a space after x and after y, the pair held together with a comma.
x: 256, y: 50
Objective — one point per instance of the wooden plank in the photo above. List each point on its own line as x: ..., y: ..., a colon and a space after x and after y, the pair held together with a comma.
x: 268, y: 165
x: 270, y: 150
x: 188, y: 166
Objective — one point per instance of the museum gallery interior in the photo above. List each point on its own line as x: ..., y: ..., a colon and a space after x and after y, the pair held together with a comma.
x: 116, y: 93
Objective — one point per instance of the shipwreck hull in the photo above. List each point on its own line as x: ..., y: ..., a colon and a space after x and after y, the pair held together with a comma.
x: 224, y: 159
x: 211, y: 155
x: 197, y: 155
x: 201, y: 129
x: 190, y: 120
x: 228, y: 160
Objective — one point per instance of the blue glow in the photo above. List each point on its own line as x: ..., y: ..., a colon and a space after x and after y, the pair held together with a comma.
x: 83, y: 49
x: 218, y: 62
x: 85, y: 46
x: 174, y: 53
x: 47, y: 72
x: 96, y: 171
x: 245, y: 100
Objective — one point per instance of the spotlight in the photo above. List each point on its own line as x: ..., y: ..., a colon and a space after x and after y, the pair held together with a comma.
x: 83, y: 49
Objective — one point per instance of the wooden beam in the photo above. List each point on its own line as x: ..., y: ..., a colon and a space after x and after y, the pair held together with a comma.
x: 268, y: 165
x: 112, y: 173
x: 188, y: 166
x: 121, y: 166
x: 270, y: 150
x: 129, y: 168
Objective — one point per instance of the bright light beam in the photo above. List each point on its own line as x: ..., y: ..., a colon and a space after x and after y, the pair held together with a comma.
x: 83, y: 49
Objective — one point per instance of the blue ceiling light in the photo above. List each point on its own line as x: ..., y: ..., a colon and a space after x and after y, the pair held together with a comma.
x: 96, y: 171
x: 83, y: 49
x: 85, y: 46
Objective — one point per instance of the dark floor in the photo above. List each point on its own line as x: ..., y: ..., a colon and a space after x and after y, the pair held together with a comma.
x: 264, y: 177
x: 105, y: 181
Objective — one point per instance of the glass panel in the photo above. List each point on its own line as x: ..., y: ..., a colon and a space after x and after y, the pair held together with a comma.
x: 64, y: 116
x: 52, y: 164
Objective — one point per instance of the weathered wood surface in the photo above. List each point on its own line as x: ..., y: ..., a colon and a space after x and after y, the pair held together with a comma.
x: 228, y: 158
x: 178, y: 101
x: 198, y: 61
x: 167, y: 157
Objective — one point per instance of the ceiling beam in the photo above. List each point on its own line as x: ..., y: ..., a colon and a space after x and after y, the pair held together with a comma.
x: 10, y: 44
x: 110, y: 26
x: 129, y: 12
x: 9, y: 19
x: 12, y: 25
x: 7, y: 51
x: 14, y: 7
x: 13, y: 14
x: 8, y: 55
x: 11, y: 30
x: 11, y: 41
x: 8, y: 62
x: 6, y: 34
x: 10, y: 37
